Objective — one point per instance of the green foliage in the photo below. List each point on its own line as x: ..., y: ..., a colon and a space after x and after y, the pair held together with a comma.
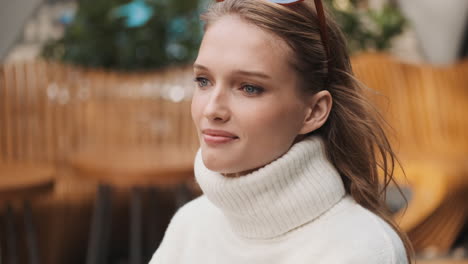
x: 97, y: 37
x: 367, y: 29
x: 159, y: 33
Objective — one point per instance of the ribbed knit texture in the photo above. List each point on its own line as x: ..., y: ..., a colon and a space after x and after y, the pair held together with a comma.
x: 293, y: 210
x: 283, y: 195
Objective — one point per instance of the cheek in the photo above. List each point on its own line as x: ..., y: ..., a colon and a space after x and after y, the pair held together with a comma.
x: 270, y: 130
x: 196, y: 108
x: 282, y: 122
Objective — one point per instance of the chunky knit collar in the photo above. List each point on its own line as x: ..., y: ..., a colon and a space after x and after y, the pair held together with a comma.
x: 283, y: 195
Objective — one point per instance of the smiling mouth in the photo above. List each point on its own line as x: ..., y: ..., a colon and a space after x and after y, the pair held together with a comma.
x: 216, y: 139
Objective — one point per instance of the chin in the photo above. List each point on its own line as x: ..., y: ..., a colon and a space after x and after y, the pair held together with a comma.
x: 229, y: 167
x: 219, y: 164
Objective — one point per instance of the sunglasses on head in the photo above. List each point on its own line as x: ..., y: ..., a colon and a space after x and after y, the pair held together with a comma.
x: 321, y: 21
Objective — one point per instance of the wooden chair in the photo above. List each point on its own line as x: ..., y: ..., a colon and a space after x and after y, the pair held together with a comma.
x: 22, y: 182
x: 425, y: 106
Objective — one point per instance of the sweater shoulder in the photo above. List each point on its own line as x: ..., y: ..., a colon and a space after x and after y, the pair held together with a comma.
x: 180, y: 229
x: 384, y: 231
x: 195, y: 207
x: 364, y: 237
x: 190, y: 214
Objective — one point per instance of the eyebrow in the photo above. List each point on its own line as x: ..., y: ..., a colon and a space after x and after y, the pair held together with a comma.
x: 242, y: 72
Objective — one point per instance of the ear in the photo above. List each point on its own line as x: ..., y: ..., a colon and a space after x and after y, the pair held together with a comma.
x: 318, y: 110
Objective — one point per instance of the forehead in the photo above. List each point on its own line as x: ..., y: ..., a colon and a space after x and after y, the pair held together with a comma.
x: 231, y: 42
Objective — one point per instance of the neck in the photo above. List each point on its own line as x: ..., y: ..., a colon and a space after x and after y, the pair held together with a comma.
x: 283, y: 195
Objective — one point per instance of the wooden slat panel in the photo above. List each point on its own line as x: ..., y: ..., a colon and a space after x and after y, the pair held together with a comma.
x: 3, y: 109
x: 9, y: 125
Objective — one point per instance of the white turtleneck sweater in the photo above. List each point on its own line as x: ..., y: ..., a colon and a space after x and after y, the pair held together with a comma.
x: 293, y: 210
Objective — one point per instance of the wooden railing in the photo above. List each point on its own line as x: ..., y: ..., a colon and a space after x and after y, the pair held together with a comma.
x: 48, y: 110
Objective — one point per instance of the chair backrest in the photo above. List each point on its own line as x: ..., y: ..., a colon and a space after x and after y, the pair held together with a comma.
x: 425, y: 105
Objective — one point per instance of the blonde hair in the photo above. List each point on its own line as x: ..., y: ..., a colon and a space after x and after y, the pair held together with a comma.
x: 356, y: 142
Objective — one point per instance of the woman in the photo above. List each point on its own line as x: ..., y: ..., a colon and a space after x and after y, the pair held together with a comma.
x: 287, y: 162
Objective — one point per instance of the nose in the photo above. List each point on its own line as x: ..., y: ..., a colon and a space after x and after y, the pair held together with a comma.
x: 217, y: 108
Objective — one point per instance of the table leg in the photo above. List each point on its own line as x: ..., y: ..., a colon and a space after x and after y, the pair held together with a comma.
x: 1, y: 252
x: 152, y: 234
x: 135, y: 226
x: 98, y: 245
x: 11, y: 235
x: 31, y: 239
x: 107, y: 224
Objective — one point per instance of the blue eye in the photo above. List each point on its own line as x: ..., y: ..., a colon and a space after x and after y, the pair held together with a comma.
x: 252, y: 90
x: 201, y: 82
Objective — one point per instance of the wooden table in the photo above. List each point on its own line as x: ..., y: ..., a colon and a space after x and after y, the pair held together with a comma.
x: 135, y: 166
x: 22, y: 181
x: 128, y: 167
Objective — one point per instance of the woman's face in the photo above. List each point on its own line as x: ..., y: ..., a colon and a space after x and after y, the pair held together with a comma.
x: 246, y: 106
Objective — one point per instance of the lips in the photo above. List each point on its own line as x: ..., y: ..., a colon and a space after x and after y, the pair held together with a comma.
x: 216, y: 137
x: 219, y: 133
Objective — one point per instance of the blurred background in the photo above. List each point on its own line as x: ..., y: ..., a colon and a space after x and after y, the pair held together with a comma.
x: 97, y: 142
